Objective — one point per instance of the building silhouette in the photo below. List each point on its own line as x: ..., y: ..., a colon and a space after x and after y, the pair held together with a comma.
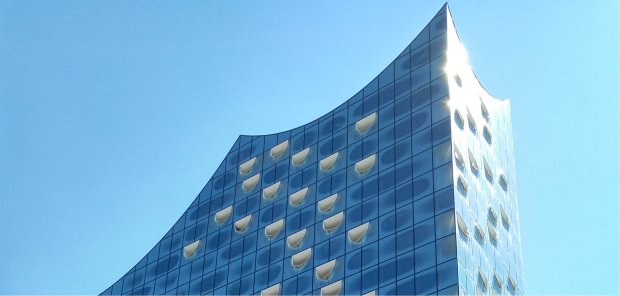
x: 406, y: 188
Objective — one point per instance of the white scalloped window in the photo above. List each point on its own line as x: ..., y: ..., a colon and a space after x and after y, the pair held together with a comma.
x: 223, y: 215
x: 503, y: 182
x: 480, y: 232
x: 297, y: 198
x: 331, y: 224
x: 273, y: 229
x: 462, y: 225
x: 459, y: 157
x: 486, y: 133
x: 458, y: 119
x: 461, y: 185
x: 299, y: 157
x: 327, y: 163
x: 190, y: 250
x: 505, y: 217
x: 471, y: 122
x: 488, y: 172
x: 250, y: 182
x: 358, y: 233
x: 472, y: 161
x: 327, y: 203
x: 279, y: 149
x: 294, y: 240
x: 332, y: 289
x: 245, y: 167
x: 298, y: 260
x: 366, y: 123
x: 492, y: 215
x: 242, y: 224
x: 271, y: 291
x: 364, y: 165
x: 324, y: 271
x: 492, y: 231
x: 271, y: 191
x: 484, y: 111
x: 483, y: 278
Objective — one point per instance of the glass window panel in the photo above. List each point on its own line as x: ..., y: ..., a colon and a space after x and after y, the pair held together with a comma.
x: 423, y: 209
x: 424, y: 232
x: 426, y: 282
x: 447, y: 274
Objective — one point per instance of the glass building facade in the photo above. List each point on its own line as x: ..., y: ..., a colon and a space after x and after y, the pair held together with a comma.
x: 406, y: 188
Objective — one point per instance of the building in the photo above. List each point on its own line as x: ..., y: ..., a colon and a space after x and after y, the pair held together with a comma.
x: 406, y: 188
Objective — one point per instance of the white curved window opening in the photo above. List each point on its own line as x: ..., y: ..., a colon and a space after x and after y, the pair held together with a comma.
x: 459, y: 157
x: 458, y: 119
x: 503, y: 182
x: 364, y: 165
x: 250, y: 182
x: 299, y: 157
x: 487, y: 135
x: 279, y: 149
x: 488, y: 172
x: 505, y: 217
x: 461, y: 223
x: 480, y: 232
x: 332, y: 289
x: 492, y: 232
x: 324, y: 271
x: 331, y: 224
x: 492, y: 215
x: 294, y: 240
x: 190, y: 250
x: 245, y: 167
x: 223, y: 215
x: 512, y: 283
x: 484, y: 111
x: 371, y: 293
x: 458, y: 81
x: 358, y: 233
x: 471, y: 122
x: 327, y: 163
x: 483, y: 278
x: 273, y: 229
x: 297, y: 198
x: 461, y: 185
x: 498, y: 281
x: 298, y: 260
x: 271, y: 191
x: 472, y: 161
x: 271, y: 291
x: 242, y: 223
x: 366, y: 123
x: 327, y: 203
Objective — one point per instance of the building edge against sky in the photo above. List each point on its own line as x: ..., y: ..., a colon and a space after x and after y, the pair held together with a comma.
x: 313, y: 206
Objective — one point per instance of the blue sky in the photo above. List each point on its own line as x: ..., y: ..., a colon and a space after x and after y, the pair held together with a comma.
x: 114, y: 114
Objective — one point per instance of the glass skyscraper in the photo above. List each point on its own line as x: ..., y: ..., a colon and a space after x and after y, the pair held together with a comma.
x: 406, y: 188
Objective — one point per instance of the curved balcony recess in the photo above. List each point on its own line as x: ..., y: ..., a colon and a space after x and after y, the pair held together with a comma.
x: 273, y: 229
x: 223, y: 215
x: 297, y: 198
x: 250, y: 182
x: 299, y: 157
x: 294, y: 240
x: 271, y: 191
x: 279, y: 149
x: 245, y: 167
x: 326, y: 204
x: 327, y: 163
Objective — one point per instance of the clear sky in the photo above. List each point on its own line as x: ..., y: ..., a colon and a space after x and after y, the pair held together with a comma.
x: 114, y: 114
